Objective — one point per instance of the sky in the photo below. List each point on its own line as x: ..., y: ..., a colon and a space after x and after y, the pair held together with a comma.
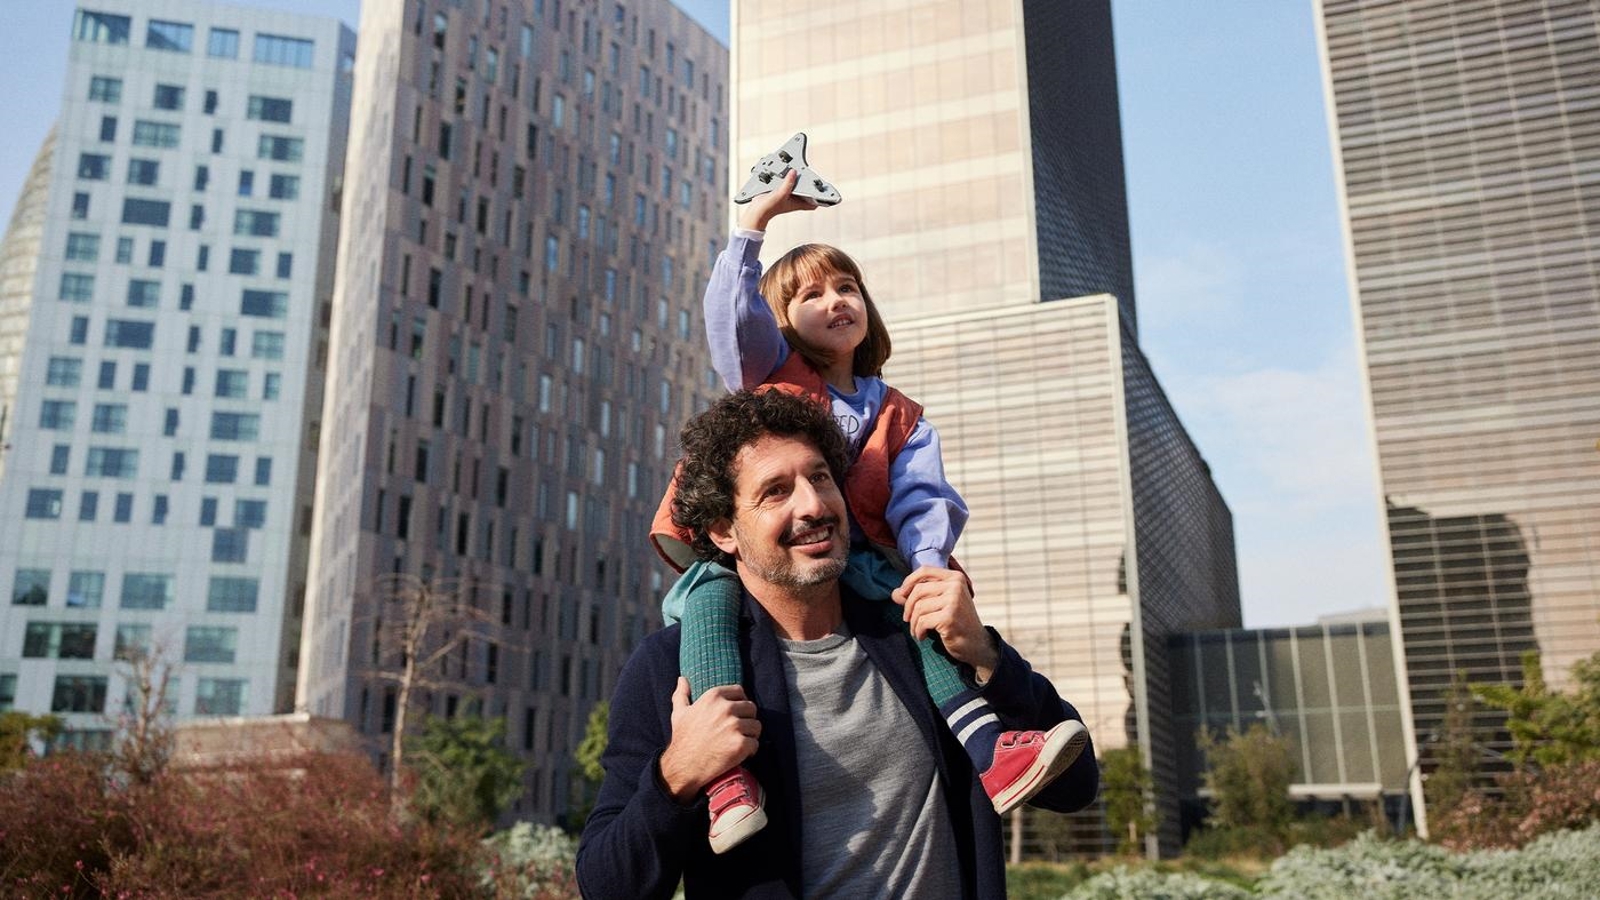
x: 1239, y: 272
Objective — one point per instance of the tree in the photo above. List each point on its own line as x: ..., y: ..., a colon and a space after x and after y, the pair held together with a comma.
x: 19, y: 732
x: 1456, y: 750
x: 424, y: 622
x: 144, y: 729
x: 1127, y: 787
x: 1549, y: 728
x: 465, y: 774
x: 587, y: 756
x: 1248, y: 773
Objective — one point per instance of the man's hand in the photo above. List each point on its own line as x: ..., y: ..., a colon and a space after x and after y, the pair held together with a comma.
x: 755, y: 215
x: 938, y: 601
x: 709, y: 737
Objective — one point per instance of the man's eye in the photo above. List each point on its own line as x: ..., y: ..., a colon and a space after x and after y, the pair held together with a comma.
x: 822, y: 478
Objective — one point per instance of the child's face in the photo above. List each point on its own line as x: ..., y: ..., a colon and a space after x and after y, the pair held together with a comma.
x: 829, y: 314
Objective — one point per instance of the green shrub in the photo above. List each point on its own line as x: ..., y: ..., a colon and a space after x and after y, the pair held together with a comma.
x: 530, y: 861
x: 1123, y: 883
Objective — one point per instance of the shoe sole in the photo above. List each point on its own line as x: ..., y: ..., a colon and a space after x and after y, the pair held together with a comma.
x: 741, y: 830
x: 1061, y: 748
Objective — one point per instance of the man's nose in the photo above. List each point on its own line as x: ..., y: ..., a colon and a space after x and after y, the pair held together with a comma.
x: 808, y: 500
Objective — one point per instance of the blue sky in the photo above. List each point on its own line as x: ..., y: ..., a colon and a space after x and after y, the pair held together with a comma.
x: 1238, y: 268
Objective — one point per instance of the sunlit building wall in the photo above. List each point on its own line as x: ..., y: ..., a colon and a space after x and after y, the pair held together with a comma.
x: 157, y: 479
x: 1467, y: 142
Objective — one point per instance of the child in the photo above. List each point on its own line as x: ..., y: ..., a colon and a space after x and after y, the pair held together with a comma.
x: 816, y: 332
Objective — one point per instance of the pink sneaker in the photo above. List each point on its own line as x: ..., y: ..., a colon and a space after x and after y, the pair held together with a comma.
x: 738, y: 808
x: 1026, y: 761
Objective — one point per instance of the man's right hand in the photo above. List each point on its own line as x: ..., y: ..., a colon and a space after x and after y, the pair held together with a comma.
x: 709, y: 737
x: 761, y: 209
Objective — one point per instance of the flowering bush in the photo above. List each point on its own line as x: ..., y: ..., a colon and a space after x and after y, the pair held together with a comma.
x: 531, y: 861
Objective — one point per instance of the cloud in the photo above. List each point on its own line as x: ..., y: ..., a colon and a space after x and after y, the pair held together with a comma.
x: 1194, y: 281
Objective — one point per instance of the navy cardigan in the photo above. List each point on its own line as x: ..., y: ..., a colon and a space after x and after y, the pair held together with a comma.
x: 638, y: 841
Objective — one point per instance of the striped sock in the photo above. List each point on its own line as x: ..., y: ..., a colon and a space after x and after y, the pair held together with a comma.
x: 975, y: 725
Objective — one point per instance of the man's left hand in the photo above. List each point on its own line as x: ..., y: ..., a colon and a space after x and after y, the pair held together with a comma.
x: 939, y: 601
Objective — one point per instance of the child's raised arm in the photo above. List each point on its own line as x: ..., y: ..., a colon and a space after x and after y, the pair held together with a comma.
x: 746, y: 345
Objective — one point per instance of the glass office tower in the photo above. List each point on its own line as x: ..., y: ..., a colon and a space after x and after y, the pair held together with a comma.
x: 516, y: 344
x: 1467, y: 139
x: 978, y: 150
x: 159, y: 426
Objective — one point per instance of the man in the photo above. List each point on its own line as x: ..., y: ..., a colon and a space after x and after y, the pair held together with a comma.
x: 869, y: 794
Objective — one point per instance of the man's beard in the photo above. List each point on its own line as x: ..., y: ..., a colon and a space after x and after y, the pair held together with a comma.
x: 775, y: 566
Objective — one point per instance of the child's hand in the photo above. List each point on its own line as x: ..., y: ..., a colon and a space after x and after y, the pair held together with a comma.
x: 759, y: 211
x: 939, y: 602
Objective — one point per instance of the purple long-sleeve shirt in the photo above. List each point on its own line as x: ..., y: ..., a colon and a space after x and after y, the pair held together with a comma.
x: 924, y: 511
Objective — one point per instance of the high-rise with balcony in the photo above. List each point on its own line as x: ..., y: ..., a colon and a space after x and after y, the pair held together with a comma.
x: 516, y: 342
x: 978, y: 149
x: 162, y: 293
x: 1467, y: 139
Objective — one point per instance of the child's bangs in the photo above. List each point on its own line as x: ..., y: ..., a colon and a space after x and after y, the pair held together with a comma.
x: 813, y: 263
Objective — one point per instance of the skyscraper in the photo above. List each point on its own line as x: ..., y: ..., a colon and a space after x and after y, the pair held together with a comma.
x: 1467, y: 142
x: 516, y: 343
x: 165, y: 270
x: 978, y: 149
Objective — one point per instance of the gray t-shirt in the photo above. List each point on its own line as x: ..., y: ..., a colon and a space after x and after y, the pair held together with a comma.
x: 875, y: 822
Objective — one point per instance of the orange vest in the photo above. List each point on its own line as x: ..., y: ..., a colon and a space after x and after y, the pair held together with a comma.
x: 866, y: 485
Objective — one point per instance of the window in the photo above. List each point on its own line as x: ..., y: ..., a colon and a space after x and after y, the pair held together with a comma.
x: 142, y: 293
x: 277, y: 50
x: 78, y: 330
x: 123, y: 511
x: 284, y: 187
x: 216, y: 140
x: 202, y: 177
x: 145, y: 590
x: 111, y: 462
x: 211, y: 102
x: 76, y: 287
x: 158, y: 510
x: 266, y: 345
x: 57, y: 415
x: 145, y: 212
x: 230, y: 545
x: 177, y: 37
x: 101, y: 28
x: 264, y: 304
x: 58, y: 640
x: 232, y: 595
x: 8, y: 690
x: 269, y: 109
x: 221, y: 469
x: 208, y: 511
x: 131, y: 641
x: 85, y: 589
x: 80, y: 205
x: 93, y: 166
x: 232, y: 383
x: 223, y: 43
x: 31, y: 587
x: 63, y: 371
x: 282, y: 149
x: 43, y: 503
x: 108, y: 375
x: 225, y: 341
x: 124, y: 250
x: 285, y: 265
x: 168, y: 96
x: 226, y: 426
x: 169, y: 427
x: 263, y: 471
x: 60, y: 458
x: 155, y: 134
x: 255, y: 223
x: 220, y: 696
x: 79, y: 693
x: 105, y: 90
x: 110, y: 418
x: 158, y: 254
x: 141, y: 376
x: 250, y: 514
x: 133, y: 335
x: 271, y: 386
x: 108, y: 129
x: 247, y: 183
x: 244, y: 262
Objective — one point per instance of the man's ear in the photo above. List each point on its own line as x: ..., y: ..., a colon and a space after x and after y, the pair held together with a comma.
x: 721, y: 534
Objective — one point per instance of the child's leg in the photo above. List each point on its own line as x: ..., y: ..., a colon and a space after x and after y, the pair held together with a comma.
x: 708, y: 654
x: 708, y: 597
x: 1014, y: 765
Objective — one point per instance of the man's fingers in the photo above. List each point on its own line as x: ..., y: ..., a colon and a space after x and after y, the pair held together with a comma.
x: 680, y: 695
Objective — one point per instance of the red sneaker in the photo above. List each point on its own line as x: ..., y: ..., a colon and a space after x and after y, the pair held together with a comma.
x: 1026, y: 761
x: 738, y: 808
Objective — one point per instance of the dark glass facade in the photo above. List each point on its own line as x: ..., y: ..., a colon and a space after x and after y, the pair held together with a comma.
x: 1467, y: 140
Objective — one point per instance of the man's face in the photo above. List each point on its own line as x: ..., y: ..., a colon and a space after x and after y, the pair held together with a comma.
x: 789, y: 527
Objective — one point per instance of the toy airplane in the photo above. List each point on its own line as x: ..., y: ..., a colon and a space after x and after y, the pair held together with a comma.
x: 767, y: 174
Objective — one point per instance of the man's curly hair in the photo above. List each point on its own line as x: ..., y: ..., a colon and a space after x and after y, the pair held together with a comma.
x: 711, y: 442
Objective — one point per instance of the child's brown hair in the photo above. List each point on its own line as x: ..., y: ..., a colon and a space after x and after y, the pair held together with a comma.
x: 809, y: 263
